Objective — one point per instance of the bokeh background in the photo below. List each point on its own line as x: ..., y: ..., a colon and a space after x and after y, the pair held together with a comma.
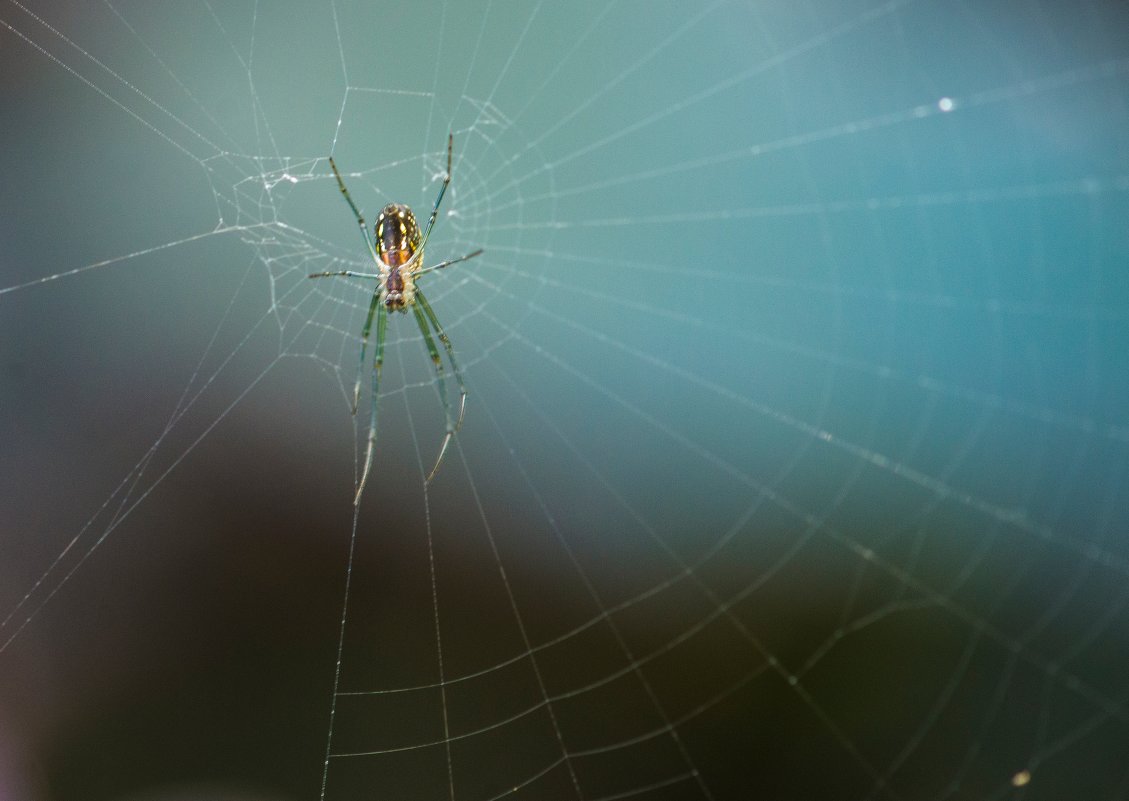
x: 794, y: 460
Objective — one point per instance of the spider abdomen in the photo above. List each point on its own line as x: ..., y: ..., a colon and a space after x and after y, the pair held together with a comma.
x: 397, y: 235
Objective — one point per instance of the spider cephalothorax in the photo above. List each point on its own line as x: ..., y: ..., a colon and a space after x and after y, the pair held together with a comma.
x: 397, y: 250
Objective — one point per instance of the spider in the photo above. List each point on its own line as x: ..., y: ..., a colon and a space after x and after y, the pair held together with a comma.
x: 398, y: 256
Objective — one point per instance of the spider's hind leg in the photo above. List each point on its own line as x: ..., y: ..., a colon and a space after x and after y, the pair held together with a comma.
x: 439, y: 197
x: 356, y: 211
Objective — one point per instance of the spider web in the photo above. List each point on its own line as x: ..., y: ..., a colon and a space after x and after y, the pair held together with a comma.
x: 794, y: 459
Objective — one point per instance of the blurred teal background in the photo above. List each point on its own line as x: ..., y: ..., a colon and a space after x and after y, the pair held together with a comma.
x: 794, y: 460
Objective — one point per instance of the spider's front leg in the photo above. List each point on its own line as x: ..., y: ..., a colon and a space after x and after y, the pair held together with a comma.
x: 364, y: 342
x: 381, y: 327
x: 423, y: 318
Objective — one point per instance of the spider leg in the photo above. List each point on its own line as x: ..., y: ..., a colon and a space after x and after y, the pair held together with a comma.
x: 364, y: 344
x: 421, y: 321
x: 421, y: 301
x: 443, y: 264
x: 381, y: 327
x: 438, y: 200
x: 351, y: 274
x: 356, y: 211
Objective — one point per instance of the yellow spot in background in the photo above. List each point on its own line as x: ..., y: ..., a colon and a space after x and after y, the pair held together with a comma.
x: 1021, y: 779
